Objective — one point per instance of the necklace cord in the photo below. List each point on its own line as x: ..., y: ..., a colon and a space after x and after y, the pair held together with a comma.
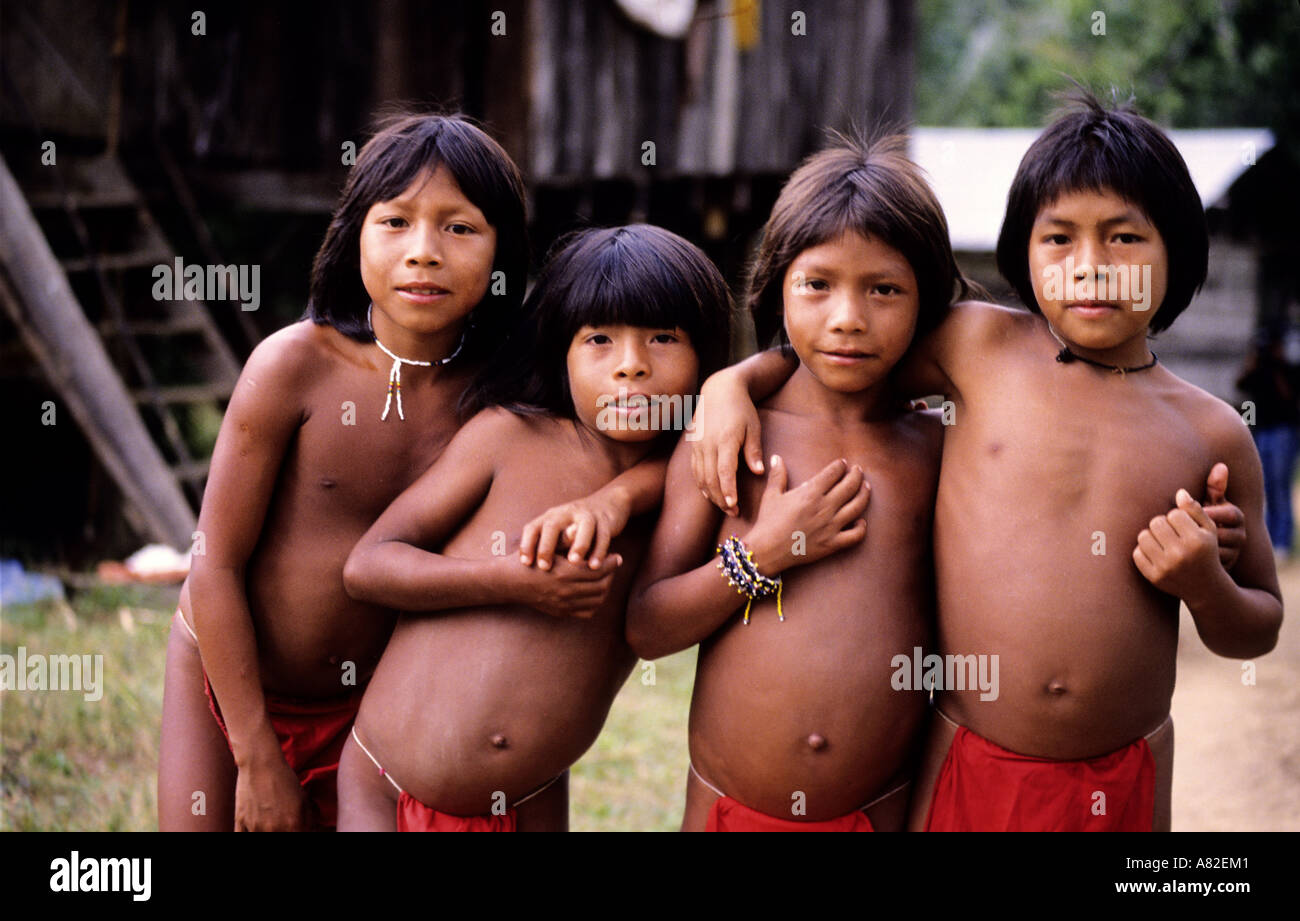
x: 395, y: 372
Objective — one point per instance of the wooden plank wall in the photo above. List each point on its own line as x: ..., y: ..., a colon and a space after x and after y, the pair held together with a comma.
x: 600, y: 86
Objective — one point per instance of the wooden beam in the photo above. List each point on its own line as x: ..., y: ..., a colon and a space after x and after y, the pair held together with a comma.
x: 52, y: 324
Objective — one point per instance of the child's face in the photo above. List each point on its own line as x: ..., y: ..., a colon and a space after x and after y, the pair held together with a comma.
x: 850, y: 310
x: 622, y: 376
x: 426, y: 255
x: 1099, y: 269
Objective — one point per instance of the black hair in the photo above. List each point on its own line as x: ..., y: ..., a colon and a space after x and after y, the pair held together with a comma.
x: 1092, y: 148
x: 635, y: 275
x: 404, y: 145
x: 868, y: 186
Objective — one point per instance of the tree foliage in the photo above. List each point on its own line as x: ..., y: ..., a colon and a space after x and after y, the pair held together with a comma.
x: 1190, y: 63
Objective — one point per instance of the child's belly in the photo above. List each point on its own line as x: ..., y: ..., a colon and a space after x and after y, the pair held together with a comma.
x: 1086, y: 647
x: 803, y: 713
x: 313, y: 640
x: 476, y: 702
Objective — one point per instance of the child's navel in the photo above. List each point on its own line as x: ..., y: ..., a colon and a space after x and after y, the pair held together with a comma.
x: 1056, y: 687
x: 499, y: 741
x: 817, y: 742
x: 327, y: 483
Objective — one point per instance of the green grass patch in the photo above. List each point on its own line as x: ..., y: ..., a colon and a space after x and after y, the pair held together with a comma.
x: 72, y: 764
x: 69, y: 764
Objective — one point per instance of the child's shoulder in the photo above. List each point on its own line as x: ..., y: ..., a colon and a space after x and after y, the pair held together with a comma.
x: 299, y: 352
x: 496, y: 427
x: 1219, y: 422
x: 974, y: 329
x: 983, y: 318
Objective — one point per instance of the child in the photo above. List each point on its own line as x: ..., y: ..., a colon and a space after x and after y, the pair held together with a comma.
x: 332, y: 418
x: 1056, y: 546
x: 475, y: 711
x: 794, y: 723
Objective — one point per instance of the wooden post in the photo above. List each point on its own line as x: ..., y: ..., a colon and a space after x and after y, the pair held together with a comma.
x: 53, y: 326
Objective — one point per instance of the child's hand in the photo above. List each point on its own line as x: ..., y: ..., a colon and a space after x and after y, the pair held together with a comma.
x: 725, y: 421
x: 268, y: 797
x: 587, y: 525
x: 811, y: 521
x: 570, y: 590
x: 1227, y: 518
x: 1178, y: 552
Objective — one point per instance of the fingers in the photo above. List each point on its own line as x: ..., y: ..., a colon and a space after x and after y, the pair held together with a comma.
x: 778, y: 479
x: 728, y: 460
x: 850, y: 537
x: 586, y: 597
x: 1192, y: 509
x: 588, y: 574
x: 709, y: 485
x: 754, y: 448
x: 528, y: 543
x: 603, y: 537
x: 1150, y: 548
x: 828, y: 476
x: 1143, y: 562
x: 854, y: 508
x: 1226, y: 516
x: 847, y: 487
x: 727, y: 481
x: 1216, y: 484
x: 550, y: 536
x: 585, y: 530
x: 1163, y: 532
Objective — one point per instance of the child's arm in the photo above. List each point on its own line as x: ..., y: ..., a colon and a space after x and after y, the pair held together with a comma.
x: 390, y: 567
x: 727, y: 422
x: 588, y: 525
x: 1230, y: 523
x: 677, y: 601
x: 1236, y: 616
x: 262, y: 418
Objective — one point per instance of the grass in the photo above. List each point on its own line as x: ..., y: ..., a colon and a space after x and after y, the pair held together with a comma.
x: 68, y: 764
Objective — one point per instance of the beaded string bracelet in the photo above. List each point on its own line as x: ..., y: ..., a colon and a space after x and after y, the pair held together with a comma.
x: 737, y: 564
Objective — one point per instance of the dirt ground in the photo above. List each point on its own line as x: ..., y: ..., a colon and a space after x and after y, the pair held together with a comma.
x: 1237, y: 744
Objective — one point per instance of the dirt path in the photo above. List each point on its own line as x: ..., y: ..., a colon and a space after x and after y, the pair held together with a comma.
x: 1237, y: 751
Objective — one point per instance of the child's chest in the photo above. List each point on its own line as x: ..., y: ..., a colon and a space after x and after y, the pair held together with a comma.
x: 1078, y: 446
x: 346, y: 454
x: 899, y: 463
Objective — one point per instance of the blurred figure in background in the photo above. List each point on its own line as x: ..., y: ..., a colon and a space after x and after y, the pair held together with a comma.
x: 1270, y: 381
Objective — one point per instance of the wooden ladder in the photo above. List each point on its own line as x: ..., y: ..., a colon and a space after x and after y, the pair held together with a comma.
x: 169, y: 353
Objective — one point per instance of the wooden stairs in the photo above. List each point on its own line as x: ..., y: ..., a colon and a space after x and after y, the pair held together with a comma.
x: 78, y: 249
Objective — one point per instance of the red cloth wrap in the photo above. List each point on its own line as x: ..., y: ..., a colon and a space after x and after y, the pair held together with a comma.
x: 984, y: 787
x: 413, y: 815
x: 729, y: 815
x: 311, y: 734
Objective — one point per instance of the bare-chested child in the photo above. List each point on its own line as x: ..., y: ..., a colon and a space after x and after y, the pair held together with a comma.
x: 475, y: 709
x: 324, y: 430
x: 1065, y: 531
x: 794, y: 723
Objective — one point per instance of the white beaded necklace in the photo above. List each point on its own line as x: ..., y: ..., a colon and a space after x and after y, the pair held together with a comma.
x: 395, y: 373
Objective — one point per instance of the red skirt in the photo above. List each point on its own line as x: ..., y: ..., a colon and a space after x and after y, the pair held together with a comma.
x: 311, y: 734
x: 729, y: 815
x: 984, y: 787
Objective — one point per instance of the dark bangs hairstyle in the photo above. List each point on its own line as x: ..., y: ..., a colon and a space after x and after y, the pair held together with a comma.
x: 866, y: 185
x: 636, y: 275
x: 404, y: 145
x: 1091, y: 148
